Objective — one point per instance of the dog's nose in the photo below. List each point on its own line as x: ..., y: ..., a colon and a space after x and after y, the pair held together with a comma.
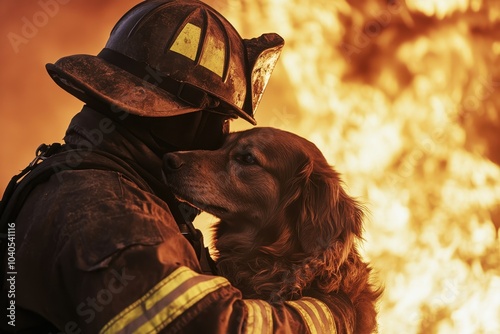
x: 172, y: 162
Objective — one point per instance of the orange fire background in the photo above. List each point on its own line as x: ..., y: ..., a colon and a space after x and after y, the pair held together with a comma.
x: 402, y: 97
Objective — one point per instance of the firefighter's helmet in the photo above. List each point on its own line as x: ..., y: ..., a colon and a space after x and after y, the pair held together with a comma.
x: 171, y: 57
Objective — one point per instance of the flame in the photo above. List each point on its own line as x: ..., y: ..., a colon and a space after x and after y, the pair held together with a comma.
x: 394, y: 94
x: 402, y: 98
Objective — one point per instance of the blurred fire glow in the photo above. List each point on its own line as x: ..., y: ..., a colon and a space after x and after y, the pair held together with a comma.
x: 403, y: 99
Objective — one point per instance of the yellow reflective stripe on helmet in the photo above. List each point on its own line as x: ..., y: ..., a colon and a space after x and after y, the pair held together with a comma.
x: 316, y: 315
x: 260, y: 317
x: 213, y: 56
x: 164, y: 302
x: 188, y: 41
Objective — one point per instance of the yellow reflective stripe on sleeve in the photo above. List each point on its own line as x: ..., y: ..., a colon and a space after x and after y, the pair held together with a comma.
x: 325, y: 313
x: 260, y: 317
x: 316, y: 315
x: 303, y: 313
x: 164, y: 302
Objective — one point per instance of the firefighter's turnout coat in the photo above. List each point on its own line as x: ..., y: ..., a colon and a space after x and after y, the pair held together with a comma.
x: 96, y: 252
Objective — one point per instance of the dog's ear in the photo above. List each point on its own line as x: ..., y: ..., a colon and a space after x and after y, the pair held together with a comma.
x: 329, y: 220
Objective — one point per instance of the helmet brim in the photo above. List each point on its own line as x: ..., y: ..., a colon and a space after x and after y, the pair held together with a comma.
x: 89, y: 77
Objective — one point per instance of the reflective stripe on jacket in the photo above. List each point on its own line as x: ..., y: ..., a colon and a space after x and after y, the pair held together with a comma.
x: 182, y: 289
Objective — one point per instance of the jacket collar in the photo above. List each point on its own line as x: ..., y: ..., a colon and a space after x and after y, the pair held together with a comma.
x: 93, y: 130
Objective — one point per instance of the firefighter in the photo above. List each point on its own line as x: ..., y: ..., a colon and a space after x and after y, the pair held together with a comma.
x: 101, y: 244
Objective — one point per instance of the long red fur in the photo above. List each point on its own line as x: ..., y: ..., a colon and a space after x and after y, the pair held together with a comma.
x: 307, y: 247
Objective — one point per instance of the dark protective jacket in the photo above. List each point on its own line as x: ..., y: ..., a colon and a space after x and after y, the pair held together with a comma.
x: 98, y: 253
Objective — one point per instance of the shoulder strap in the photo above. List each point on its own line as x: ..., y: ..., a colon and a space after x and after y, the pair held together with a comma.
x: 38, y: 172
x: 42, y: 152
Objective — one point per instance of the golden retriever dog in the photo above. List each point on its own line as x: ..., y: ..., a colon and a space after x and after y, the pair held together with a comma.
x: 287, y: 228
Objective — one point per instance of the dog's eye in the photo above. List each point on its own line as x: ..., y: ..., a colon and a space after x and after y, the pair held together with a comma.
x: 247, y: 158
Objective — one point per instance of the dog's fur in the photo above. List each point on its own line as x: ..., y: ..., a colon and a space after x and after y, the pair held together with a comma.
x: 287, y: 227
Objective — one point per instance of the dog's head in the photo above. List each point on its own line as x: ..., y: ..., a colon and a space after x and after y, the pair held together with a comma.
x: 271, y: 182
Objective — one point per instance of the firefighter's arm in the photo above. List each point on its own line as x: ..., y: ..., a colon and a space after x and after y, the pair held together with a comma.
x: 188, y: 302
